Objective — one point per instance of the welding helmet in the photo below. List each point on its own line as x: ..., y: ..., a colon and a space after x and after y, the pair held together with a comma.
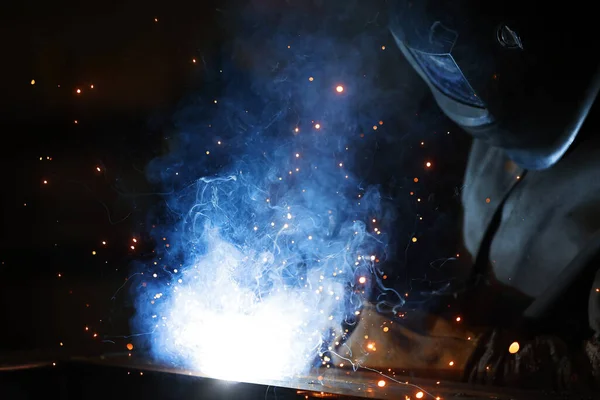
x: 520, y: 78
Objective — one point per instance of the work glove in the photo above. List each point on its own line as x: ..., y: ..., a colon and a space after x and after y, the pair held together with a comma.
x: 384, y: 344
x: 507, y: 358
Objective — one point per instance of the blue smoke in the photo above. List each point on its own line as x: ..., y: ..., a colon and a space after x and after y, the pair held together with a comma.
x: 269, y: 239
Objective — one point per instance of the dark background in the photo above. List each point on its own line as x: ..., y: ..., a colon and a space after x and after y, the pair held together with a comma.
x: 69, y: 186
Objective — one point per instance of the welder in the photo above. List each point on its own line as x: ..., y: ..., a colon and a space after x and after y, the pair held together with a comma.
x: 522, y: 81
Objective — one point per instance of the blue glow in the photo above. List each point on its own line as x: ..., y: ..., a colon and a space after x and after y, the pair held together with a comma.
x: 267, y: 244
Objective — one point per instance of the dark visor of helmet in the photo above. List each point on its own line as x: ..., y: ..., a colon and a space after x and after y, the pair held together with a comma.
x: 443, y: 72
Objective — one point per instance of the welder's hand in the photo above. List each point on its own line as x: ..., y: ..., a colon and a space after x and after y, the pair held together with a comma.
x: 505, y: 358
x: 382, y: 344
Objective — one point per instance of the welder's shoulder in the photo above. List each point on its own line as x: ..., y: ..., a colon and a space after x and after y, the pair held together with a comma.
x: 549, y: 218
x: 581, y: 163
x: 490, y: 173
x: 575, y: 182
